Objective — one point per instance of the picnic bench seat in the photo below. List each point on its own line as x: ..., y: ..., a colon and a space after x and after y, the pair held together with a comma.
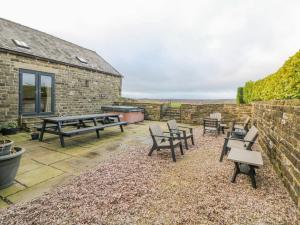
x: 93, y: 128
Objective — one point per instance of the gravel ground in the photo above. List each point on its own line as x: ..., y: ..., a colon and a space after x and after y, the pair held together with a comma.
x: 136, y: 189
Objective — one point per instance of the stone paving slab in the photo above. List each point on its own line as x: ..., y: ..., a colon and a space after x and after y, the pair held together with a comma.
x: 3, y: 204
x: 74, y: 165
x: 38, y: 175
x: 28, y: 164
x: 47, y: 157
x: 39, y: 189
x: 16, y: 187
x: 46, y: 164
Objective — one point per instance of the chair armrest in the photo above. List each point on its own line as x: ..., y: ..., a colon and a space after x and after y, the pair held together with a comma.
x: 163, y: 136
x: 185, y: 127
x: 190, y: 128
x: 235, y: 139
x: 172, y: 133
x: 238, y: 123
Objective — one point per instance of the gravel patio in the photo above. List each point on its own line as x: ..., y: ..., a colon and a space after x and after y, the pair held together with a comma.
x: 133, y: 188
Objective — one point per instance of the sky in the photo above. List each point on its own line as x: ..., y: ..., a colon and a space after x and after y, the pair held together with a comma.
x: 192, y: 49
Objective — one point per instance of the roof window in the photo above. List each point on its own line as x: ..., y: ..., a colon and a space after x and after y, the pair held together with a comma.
x: 21, y: 44
x: 82, y: 60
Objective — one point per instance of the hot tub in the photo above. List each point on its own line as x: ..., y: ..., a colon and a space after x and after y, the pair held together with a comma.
x: 129, y: 114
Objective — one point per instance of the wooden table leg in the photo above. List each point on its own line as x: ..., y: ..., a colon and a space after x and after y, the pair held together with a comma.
x: 43, y: 131
x: 121, y: 126
x: 61, y: 137
x: 97, y: 131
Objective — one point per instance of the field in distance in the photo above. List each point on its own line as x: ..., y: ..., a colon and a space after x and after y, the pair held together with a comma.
x: 178, y: 102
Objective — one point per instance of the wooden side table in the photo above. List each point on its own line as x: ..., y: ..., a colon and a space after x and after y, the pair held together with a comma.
x: 245, y: 162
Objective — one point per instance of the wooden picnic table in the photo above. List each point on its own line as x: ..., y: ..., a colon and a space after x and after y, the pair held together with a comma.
x: 55, y: 125
x: 245, y: 162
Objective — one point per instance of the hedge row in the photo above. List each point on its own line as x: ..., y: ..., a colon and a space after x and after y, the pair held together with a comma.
x: 284, y: 84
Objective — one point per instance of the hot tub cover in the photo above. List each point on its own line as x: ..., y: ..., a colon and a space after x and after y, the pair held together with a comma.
x: 117, y: 108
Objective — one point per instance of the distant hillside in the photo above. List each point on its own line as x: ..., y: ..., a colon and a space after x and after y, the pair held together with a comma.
x: 192, y: 101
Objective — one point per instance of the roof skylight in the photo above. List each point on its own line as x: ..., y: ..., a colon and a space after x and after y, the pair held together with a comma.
x: 82, y: 60
x: 21, y: 44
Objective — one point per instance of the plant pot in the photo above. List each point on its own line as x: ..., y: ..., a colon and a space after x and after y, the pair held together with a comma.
x: 9, y: 131
x: 9, y: 165
x: 5, y: 147
x: 35, y: 136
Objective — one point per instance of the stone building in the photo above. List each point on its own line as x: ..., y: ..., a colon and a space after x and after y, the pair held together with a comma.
x: 42, y: 75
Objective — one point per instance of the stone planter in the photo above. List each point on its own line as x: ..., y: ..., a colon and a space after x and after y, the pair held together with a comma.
x: 9, y: 165
x: 5, y: 146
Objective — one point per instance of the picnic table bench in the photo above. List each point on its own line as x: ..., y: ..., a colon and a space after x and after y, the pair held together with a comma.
x: 55, y: 125
x: 245, y: 162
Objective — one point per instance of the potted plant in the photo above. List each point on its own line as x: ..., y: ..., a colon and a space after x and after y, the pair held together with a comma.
x: 9, y: 128
x: 9, y: 162
x: 5, y: 146
x: 35, y: 135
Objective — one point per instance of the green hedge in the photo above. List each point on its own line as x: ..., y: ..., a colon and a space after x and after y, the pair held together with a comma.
x: 284, y: 84
x: 240, y: 95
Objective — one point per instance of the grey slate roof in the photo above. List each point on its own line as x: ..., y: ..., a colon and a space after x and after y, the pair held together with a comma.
x: 51, y: 48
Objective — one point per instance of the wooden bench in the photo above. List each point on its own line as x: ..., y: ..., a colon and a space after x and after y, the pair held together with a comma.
x: 54, y: 126
x: 245, y: 162
x: 94, y: 128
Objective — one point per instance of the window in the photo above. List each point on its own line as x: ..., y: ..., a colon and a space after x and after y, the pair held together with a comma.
x: 36, y: 93
x: 21, y: 44
x: 82, y: 60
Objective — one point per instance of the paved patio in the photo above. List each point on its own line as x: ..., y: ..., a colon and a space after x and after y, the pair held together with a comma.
x: 118, y: 183
x: 46, y: 164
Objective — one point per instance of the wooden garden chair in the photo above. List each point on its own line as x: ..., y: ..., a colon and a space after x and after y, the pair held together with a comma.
x: 245, y: 143
x: 163, y: 141
x: 216, y: 115
x: 211, y: 125
x: 181, y: 134
x: 241, y: 126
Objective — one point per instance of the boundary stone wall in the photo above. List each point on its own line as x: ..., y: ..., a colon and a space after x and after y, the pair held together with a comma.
x: 279, y: 129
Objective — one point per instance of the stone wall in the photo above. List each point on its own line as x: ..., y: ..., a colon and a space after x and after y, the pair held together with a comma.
x: 279, y: 128
x: 77, y: 91
x: 194, y: 114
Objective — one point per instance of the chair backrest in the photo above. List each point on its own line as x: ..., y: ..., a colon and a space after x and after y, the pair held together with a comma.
x: 156, y: 130
x: 251, y: 135
x: 246, y: 122
x: 172, y: 125
x: 212, y: 123
x: 216, y: 115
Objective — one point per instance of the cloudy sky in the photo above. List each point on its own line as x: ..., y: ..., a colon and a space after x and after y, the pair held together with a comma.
x: 173, y: 49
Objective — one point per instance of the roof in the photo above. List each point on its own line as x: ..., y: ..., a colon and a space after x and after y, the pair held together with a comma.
x: 48, y: 47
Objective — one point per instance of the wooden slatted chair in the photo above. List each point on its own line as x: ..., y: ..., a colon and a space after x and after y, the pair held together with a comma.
x: 241, y: 126
x: 216, y: 115
x: 211, y: 125
x: 163, y: 141
x: 181, y: 134
x: 245, y: 143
